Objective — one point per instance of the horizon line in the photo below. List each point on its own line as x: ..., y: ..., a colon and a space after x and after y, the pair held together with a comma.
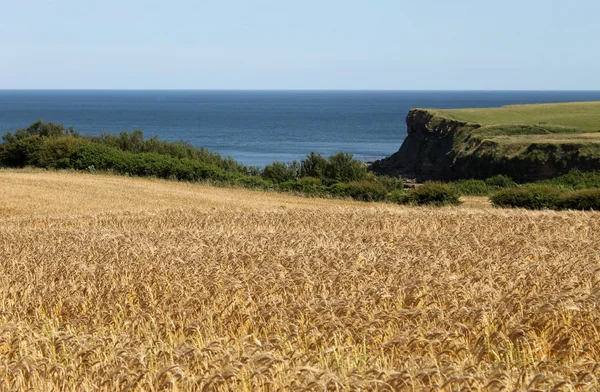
x: 300, y: 90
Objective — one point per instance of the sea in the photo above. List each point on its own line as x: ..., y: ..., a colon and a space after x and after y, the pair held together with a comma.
x: 256, y: 127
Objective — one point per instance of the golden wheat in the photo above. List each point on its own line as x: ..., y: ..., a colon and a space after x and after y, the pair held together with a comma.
x: 111, y: 283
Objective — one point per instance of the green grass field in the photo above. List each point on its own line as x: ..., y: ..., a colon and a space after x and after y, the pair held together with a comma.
x: 557, y: 117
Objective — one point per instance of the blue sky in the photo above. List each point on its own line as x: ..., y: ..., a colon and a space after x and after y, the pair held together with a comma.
x: 302, y: 44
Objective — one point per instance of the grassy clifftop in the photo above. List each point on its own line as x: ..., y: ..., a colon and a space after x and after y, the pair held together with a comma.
x: 527, y: 142
x: 568, y: 117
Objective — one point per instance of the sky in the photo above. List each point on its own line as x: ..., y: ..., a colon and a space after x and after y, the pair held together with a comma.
x: 300, y: 44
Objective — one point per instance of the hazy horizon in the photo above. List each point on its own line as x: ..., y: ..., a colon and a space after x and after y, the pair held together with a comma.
x: 299, y: 90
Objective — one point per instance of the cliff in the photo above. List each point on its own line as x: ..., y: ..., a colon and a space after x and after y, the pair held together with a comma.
x: 440, y: 147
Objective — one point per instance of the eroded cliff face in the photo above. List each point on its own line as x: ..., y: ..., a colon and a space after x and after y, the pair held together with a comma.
x: 427, y: 150
x: 437, y: 148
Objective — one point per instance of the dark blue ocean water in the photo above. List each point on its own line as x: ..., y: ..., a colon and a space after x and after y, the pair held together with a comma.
x: 256, y: 127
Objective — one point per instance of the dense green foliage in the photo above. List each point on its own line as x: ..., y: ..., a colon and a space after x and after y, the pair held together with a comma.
x: 314, y: 165
x: 53, y: 146
x: 365, y: 190
x: 41, y: 129
x: 399, y: 197
x: 576, y: 180
x: 573, y: 180
x: 45, y: 144
x: 534, y: 197
x: 433, y: 193
x: 136, y: 143
x: 305, y: 185
x: 340, y: 167
x: 500, y: 181
x: 474, y: 187
x: 147, y: 164
x: 279, y: 172
x: 587, y: 199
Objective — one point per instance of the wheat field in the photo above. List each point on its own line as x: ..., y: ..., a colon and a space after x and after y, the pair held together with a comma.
x: 112, y: 283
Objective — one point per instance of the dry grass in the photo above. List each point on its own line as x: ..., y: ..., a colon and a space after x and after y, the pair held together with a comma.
x: 110, y: 283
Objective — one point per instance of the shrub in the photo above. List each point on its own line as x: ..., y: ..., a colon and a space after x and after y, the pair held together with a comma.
x: 434, y: 193
x: 533, y: 197
x: 136, y: 143
x: 588, y: 199
x: 100, y: 157
x: 576, y: 180
x: 155, y: 165
x: 471, y: 187
x: 97, y: 156
x: 185, y: 169
x: 40, y: 129
x: 279, y: 172
x: 131, y: 141
x: 311, y: 181
x: 399, y: 197
x: 339, y: 189
x: 367, y: 190
x: 253, y: 182
x: 314, y: 165
x: 500, y: 181
x: 390, y: 183
x: 343, y: 167
x: 18, y: 152
x: 56, y: 153
x: 360, y: 190
x: 474, y: 187
x: 308, y: 185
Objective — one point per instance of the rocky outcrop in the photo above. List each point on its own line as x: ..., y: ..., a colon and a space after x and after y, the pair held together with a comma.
x: 426, y: 151
x: 439, y: 148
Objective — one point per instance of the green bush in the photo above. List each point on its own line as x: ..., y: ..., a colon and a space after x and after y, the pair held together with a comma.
x: 279, y: 172
x: 533, y: 197
x: 339, y: 189
x: 390, y: 183
x: 308, y: 185
x: 56, y: 153
x: 471, y: 187
x: 39, y: 129
x: 576, y: 180
x: 359, y: 190
x: 340, y: 167
x: 41, y: 144
x: 136, y: 143
x: 587, y: 199
x: 500, y: 181
x: 474, y: 187
x: 434, y: 193
x: 399, y: 197
x: 314, y: 165
x: 367, y: 190
x: 343, y: 167
x: 97, y: 157
x: 19, y: 152
x: 101, y: 157
x: 132, y: 142
x: 253, y: 182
